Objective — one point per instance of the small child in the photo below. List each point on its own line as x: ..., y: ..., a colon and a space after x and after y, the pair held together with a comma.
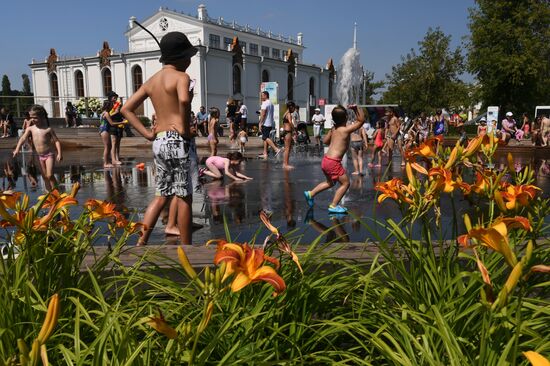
x: 338, y: 138
x: 213, y: 119
x: 243, y: 139
x: 482, y: 128
x: 215, y: 165
x: 45, y: 143
x: 379, y: 137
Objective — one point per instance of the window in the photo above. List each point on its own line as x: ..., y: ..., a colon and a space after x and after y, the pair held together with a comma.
x: 312, y: 86
x: 107, y: 81
x: 236, y: 79
x: 265, y: 76
x: 54, y: 85
x: 290, y: 93
x: 79, y: 83
x: 243, y: 46
x: 275, y: 53
x: 253, y: 49
x: 265, y: 51
x: 227, y: 43
x: 214, y: 41
x: 137, y: 77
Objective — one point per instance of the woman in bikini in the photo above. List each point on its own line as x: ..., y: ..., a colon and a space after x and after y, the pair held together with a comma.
x: 288, y: 131
x: 357, y: 144
x: 214, y: 118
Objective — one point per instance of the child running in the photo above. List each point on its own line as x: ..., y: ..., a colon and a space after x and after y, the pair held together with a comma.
x: 378, y: 144
x: 44, y: 142
x: 171, y: 93
x: 230, y: 166
x: 213, y: 141
x: 338, y: 138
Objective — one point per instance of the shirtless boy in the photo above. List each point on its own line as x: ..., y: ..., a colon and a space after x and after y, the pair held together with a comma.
x: 170, y: 93
x: 392, y: 132
x: 339, y: 139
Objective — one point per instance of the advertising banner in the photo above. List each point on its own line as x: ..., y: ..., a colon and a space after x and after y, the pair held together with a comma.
x: 492, y: 119
x: 272, y: 88
x: 328, y: 115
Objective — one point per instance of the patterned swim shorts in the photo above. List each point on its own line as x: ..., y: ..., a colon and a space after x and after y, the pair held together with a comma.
x: 173, y: 164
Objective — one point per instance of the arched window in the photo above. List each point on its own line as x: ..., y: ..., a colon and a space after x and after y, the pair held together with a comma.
x: 290, y: 93
x: 330, y: 87
x: 137, y: 77
x: 79, y: 83
x: 107, y: 81
x: 54, y: 87
x: 236, y: 79
x: 265, y: 76
x: 312, y: 86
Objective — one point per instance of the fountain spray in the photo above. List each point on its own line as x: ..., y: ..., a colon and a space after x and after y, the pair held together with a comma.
x: 350, y: 74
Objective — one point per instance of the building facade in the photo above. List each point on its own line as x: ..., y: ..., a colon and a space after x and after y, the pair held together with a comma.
x: 232, y: 61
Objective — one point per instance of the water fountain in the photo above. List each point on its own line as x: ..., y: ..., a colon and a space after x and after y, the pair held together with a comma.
x: 350, y: 75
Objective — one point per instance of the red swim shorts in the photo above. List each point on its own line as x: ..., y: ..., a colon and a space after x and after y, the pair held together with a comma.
x: 332, y: 167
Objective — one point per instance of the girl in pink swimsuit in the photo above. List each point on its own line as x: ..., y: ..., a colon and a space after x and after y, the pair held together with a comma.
x: 45, y: 144
x: 378, y: 144
x: 216, y: 166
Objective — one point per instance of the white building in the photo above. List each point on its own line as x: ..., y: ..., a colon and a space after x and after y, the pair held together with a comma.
x: 232, y: 62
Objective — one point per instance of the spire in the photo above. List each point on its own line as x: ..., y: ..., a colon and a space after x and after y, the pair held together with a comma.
x: 355, y: 35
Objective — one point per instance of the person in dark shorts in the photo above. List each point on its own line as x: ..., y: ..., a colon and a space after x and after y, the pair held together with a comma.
x: 266, y: 124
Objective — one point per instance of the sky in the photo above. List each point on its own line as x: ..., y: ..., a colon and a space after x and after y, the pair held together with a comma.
x: 387, y: 29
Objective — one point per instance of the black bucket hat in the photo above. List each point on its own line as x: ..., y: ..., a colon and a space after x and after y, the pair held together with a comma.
x: 175, y: 46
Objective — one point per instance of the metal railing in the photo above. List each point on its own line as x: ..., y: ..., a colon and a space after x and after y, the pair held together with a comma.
x: 55, y: 106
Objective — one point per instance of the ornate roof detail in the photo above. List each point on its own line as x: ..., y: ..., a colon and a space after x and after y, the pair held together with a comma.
x: 104, y: 55
x: 52, y: 59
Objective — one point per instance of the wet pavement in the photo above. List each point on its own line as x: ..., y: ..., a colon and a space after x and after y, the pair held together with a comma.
x: 272, y: 189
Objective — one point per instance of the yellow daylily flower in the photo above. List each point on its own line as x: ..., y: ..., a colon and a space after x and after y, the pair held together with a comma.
x: 536, y: 359
x: 496, y: 236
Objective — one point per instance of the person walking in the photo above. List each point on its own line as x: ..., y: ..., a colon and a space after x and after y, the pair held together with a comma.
x: 318, y: 120
x: 266, y: 124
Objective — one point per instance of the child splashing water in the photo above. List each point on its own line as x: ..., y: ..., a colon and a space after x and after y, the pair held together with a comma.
x: 230, y: 166
x: 339, y: 139
x: 45, y: 143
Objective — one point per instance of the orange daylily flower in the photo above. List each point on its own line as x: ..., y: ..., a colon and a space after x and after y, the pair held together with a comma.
x: 9, y: 199
x: 159, y: 324
x: 389, y: 189
x: 496, y: 236
x: 444, y: 180
x: 517, y: 196
x: 247, y: 265
x: 100, y: 209
x: 51, y: 198
x: 428, y: 148
x: 281, y: 241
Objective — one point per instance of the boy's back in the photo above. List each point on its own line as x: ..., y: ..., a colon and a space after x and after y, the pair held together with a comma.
x: 340, y: 135
x: 169, y: 93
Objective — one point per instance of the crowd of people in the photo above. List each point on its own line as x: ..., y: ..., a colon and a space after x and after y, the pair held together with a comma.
x: 175, y: 127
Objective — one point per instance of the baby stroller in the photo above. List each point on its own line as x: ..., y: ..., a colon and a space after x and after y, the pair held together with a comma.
x: 302, y: 134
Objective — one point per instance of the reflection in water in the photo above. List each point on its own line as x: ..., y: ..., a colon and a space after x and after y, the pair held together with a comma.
x: 337, y: 232
x: 273, y: 189
x: 289, y: 200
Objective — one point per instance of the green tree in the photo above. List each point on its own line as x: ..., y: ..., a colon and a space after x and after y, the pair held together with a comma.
x: 430, y: 78
x: 370, y: 87
x: 509, y: 52
x: 6, y: 91
x: 26, y: 85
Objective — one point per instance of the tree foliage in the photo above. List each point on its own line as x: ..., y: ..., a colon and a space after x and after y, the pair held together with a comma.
x: 6, y: 85
x: 26, y: 85
x: 370, y: 87
x: 429, y: 78
x: 509, y: 52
